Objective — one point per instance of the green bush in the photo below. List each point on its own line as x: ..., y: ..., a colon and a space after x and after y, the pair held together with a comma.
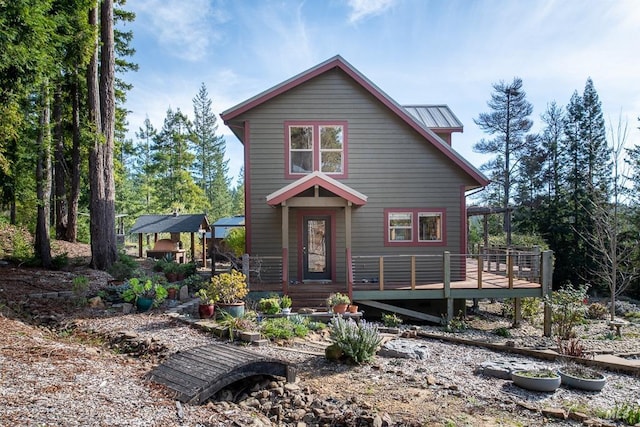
x: 626, y: 412
x: 502, y: 332
x: 568, y: 309
x: 270, y: 305
x: 283, y: 328
x: 235, y: 241
x: 358, y: 343
x: 391, y: 320
x: 597, y: 311
x: 124, y: 268
x: 530, y: 308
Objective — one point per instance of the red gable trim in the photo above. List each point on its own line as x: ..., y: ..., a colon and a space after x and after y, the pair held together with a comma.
x: 339, y: 62
x: 321, y: 180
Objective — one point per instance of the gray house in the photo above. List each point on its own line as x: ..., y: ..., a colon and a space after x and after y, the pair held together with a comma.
x: 335, y: 168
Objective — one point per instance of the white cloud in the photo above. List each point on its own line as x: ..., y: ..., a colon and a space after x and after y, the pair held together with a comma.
x: 184, y: 29
x: 361, y: 9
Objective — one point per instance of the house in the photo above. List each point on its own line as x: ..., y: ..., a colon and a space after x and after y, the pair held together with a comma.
x: 344, y: 186
x: 334, y: 167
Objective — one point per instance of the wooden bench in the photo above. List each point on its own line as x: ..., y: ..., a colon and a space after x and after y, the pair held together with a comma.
x: 164, y: 247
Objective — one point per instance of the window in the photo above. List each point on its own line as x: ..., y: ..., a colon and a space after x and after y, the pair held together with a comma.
x: 429, y: 227
x: 414, y: 227
x: 400, y: 226
x: 316, y: 147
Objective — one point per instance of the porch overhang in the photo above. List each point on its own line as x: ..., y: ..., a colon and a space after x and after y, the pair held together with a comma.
x: 319, y: 180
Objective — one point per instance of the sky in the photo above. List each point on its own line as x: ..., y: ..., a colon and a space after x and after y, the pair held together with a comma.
x: 416, y: 51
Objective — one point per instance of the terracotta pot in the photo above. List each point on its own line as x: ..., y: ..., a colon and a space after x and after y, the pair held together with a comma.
x: 353, y: 308
x: 171, y: 277
x: 340, y: 308
x: 172, y: 293
x: 205, y: 311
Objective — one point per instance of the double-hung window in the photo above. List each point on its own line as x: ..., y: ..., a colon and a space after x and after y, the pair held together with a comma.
x: 318, y: 146
x: 414, y: 227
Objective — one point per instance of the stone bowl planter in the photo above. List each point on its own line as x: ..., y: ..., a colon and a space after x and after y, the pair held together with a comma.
x: 537, y: 379
x: 582, y: 378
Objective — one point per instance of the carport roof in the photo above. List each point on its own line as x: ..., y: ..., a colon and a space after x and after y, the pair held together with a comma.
x: 174, y: 223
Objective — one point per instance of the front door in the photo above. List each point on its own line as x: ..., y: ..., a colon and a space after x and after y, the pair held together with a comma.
x: 316, y: 247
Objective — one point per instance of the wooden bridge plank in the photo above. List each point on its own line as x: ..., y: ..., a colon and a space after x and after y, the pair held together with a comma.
x: 198, y: 373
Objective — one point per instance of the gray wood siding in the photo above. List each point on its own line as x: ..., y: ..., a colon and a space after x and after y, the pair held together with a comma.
x: 387, y: 161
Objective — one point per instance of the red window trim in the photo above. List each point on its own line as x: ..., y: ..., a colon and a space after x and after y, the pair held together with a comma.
x: 414, y: 242
x: 316, y: 146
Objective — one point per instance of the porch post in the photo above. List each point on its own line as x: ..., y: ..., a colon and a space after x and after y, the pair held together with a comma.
x: 285, y: 247
x: 347, y: 237
x: 447, y: 284
x: 547, y: 278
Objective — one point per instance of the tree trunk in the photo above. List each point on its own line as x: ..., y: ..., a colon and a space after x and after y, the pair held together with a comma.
x: 102, y: 111
x: 74, y: 190
x: 60, y: 169
x: 42, y: 247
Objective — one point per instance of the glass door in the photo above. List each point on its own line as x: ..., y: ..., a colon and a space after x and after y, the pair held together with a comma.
x: 316, y: 248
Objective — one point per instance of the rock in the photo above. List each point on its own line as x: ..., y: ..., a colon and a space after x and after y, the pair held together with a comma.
x: 96, y: 302
x: 558, y: 413
x: 333, y: 352
x: 184, y: 293
x: 127, y: 308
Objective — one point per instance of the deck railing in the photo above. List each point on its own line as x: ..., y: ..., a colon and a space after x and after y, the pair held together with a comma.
x: 413, y: 270
x: 262, y: 269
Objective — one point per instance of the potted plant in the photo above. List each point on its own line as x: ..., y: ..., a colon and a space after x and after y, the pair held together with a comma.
x: 230, y: 289
x: 172, y: 292
x: 144, y: 293
x: 536, y: 379
x: 170, y: 270
x: 270, y: 305
x: 581, y: 377
x: 285, y: 304
x: 338, y: 302
x: 207, y: 305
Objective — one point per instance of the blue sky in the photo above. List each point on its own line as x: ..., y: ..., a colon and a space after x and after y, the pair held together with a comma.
x: 417, y: 51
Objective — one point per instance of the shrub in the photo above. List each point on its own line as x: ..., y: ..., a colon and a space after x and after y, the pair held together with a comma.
x: 568, y: 309
x: 597, y: 311
x: 391, y: 320
x: 235, y: 241
x: 283, y: 328
x: 529, y: 308
x: 269, y: 305
x: 229, y: 287
x: 124, y: 268
x: 233, y: 324
x: 358, y: 343
x: 59, y: 262
x: 571, y: 347
x: 627, y: 412
x: 502, y: 332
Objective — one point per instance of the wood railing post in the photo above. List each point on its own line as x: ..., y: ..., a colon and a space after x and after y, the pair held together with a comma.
x: 245, y: 267
x: 480, y: 267
x: 413, y: 272
x: 446, y: 264
x: 546, y: 274
x: 510, y: 268
x: 382, y: 273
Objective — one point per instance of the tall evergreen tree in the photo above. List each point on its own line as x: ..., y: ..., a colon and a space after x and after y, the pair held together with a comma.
x: 237, y: 195
x: 508, y: 122
x: 175, y: 189
x: 210, y: 168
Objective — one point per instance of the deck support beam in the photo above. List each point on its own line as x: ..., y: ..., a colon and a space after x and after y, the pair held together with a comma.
x: 547, y: 277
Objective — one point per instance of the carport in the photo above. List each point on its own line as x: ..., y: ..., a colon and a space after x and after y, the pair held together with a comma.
x: 173, y: 224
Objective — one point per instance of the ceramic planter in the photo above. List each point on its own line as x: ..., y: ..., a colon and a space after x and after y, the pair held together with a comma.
x: 576, y: 378
x: 143, y: 304
x: 536, y: 380
x: 235, y: 309
x: 205, y: 311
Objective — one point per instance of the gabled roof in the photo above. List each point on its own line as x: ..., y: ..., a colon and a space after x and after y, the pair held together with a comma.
x: 174, y: 223
x: 435, y: 117
x: 337, y: 62
x: 322, y: 180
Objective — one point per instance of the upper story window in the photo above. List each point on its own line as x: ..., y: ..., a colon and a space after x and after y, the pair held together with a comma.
x: 414, y: 227
x: 316, y: 147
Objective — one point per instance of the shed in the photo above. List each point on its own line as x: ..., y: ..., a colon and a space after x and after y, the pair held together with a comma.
x: 220, y: 230
x: 174, y: 224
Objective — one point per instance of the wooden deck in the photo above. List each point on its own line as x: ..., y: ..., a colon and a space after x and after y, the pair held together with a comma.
x: 198, y: 373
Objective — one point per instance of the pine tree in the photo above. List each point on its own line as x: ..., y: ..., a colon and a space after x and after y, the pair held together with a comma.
x: 210, y: 167
x: 237, y: 195
x: 509, y: 122
x: 175, y: 189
